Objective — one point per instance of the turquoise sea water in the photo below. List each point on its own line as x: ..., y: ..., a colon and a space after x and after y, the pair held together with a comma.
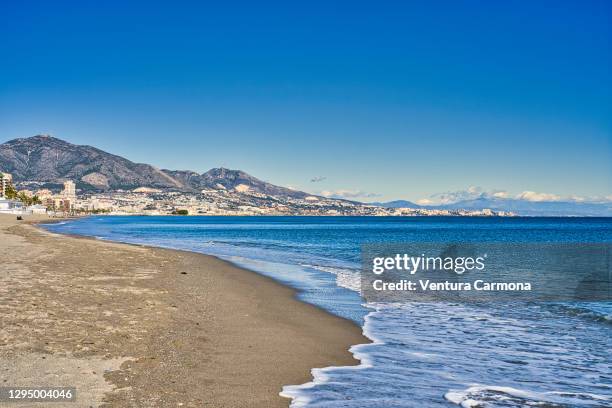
x: 423, y: 354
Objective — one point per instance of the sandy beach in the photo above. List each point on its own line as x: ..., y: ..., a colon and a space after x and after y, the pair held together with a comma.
x: 133, y: 326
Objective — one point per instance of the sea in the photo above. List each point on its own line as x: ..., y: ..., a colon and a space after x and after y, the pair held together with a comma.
x: 428, y: 354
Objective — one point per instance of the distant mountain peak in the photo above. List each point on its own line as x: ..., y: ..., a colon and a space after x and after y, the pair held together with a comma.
x: 43, y: 140
x: 237, y: 179
x: 397, y: 204
x: 223, y: 172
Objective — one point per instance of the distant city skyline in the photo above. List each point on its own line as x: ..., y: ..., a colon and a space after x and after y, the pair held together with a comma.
x: 416, y: 100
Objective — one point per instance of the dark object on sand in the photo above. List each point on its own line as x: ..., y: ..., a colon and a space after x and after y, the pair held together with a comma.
x: 19, y: 218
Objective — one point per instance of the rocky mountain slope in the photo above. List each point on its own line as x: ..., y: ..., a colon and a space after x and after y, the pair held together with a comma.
x: 49, y: 160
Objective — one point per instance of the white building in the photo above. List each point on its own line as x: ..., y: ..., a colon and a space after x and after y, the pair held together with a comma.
x: 69, y: 191
x: 5, y: 180
x: 37, y: 209
x: 67, y: 199
x: 11, y: 206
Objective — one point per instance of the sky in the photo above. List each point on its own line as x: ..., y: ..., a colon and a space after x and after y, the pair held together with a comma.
x: 375, y: 101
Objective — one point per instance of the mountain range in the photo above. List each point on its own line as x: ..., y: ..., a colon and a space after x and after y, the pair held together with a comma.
x: 536, y: 208
x: 517, y: 206
x: 48, y: 160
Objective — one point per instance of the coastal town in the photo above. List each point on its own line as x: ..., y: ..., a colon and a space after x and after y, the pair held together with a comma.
x: 28, y: 198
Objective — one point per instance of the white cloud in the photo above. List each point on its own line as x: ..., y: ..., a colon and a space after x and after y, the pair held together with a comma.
x: 602, y: 199
x: 449, y: 197
x: 349, y: 194
x: 474, y: 192
x: 592, y: 199
x: 425, y: 201
x: 500, y: 194
x: 533, y: 196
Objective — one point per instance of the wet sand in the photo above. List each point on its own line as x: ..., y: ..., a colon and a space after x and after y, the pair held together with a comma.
x: 134, y: 326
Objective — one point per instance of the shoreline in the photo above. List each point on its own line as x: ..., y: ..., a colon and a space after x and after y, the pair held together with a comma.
x: 217, y: 258
x: 156, y: 326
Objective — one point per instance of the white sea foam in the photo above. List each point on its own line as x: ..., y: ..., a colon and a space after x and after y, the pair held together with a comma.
x: 300, y: 398
x: 465, y: 397
x: 478, y: 395
x: 345, y: 278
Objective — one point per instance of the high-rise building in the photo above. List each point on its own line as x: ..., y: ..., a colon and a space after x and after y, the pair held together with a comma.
x: 67, y: 200
x: 5, y: 181
x: 69, y: 190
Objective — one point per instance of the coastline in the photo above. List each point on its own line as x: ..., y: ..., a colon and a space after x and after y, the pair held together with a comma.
x: 155, y: 327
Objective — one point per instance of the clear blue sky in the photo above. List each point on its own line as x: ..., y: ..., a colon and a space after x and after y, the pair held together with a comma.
x: 396, y: 99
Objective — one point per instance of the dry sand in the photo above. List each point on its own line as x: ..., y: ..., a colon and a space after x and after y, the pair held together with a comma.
x: 134, y: 326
